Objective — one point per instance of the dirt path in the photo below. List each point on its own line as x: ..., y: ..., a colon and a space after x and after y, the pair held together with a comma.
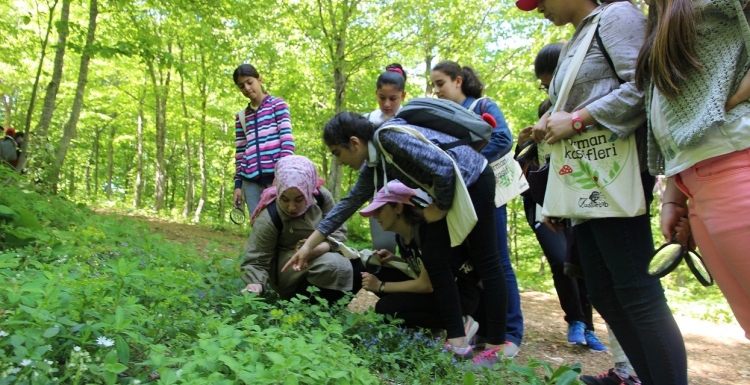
x: 717, y: 354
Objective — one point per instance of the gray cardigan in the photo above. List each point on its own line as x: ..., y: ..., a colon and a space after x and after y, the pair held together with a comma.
x: 420, y: 160
x: 721, y: 48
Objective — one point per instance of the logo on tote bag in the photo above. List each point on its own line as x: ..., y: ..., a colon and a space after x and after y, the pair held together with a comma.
x: 596, y: 199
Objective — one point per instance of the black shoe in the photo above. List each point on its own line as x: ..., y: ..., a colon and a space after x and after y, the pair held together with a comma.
x: 609, y: 378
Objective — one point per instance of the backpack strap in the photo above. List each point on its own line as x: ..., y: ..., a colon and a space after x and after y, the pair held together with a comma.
x: 483, y: 99
x: 606, y: 55
x: 273, y: 211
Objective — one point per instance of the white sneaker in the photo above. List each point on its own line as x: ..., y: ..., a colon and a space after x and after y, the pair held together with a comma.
x: 511, y: 349
x: 470, y: 327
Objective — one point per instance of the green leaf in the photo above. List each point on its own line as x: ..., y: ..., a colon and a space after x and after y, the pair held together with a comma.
x: 567, y: 378
x: 8, y: 213
x: 26, y: 19
x: 576, y: 174
x: 469, y: 378
x: 276, y: 358
x: 123, y: 350
x: 291, y: 379
x: 51, y: 332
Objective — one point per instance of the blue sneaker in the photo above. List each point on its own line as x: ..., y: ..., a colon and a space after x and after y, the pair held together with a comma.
x: 593, y: 342
x: 575, y: 333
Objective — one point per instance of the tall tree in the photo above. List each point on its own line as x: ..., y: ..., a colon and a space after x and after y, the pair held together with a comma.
x: 69, y: 130
x: 48, y: 108
x: 32, y: 99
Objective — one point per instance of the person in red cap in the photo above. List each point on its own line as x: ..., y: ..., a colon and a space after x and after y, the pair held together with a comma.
x: 614, y: 252
x: 409, y: 299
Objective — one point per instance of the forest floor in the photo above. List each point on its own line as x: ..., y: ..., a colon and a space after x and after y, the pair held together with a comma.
x: 718, y: 354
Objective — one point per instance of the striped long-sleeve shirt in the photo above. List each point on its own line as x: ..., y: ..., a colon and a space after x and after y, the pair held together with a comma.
x: 266, y: 137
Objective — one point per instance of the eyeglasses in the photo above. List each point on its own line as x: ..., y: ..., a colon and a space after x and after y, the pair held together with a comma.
x: 543, y: 87
x: 668, y: 257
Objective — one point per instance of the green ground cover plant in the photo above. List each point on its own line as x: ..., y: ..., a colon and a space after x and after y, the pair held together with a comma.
x: 91, y: 298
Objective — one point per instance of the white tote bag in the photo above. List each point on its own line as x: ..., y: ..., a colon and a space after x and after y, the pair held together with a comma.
x: 509, y: 179
x: 461, y: 217
x: 592, y: 174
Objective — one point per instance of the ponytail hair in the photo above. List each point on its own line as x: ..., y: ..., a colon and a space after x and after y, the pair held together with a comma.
x: 668, y: 54
x: 470, y: 85
x: 394, y: 75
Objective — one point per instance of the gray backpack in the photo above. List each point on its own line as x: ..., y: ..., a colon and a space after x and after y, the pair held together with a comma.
x: 8, y: 149
x: 449, y: 118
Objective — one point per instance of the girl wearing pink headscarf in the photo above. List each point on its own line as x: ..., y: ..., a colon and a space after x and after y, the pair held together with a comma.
x: 268, y: 249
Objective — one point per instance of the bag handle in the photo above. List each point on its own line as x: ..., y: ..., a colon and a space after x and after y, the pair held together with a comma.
x: 575, y: 64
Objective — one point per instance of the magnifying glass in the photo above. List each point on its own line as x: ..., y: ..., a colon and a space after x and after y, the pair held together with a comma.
x: 668, y: 257
x: 237, y: 215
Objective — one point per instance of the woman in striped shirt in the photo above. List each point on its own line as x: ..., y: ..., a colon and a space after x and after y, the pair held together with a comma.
x: 263, y: 135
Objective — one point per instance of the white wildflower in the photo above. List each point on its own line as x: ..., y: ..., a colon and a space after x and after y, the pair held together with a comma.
x: 178, y: 373
x: 15, y: 370
x: 136, y: 381
x: 26, y: 362
x: 3, y: 333
x: 104, y: 341
x: 48, y: 362
x: 77, y: 348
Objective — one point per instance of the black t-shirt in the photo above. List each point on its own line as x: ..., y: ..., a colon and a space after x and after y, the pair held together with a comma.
x: 462, y: 268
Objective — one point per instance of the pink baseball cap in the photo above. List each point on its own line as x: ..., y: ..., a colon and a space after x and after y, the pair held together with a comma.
x: 397, y: 193
x: 527, y: 5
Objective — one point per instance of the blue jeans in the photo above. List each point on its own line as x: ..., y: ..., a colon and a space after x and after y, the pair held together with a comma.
x: 615, y: 253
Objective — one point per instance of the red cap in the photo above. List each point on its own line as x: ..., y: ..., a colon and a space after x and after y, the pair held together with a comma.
x: 10, y: 131
x: 527, y: 5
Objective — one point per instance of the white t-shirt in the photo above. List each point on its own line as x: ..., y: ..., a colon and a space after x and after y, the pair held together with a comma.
x: 377, y: 118
x: 719, y: 140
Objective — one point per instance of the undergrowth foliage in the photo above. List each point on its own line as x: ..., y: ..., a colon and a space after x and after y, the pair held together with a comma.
x: 88, y: 298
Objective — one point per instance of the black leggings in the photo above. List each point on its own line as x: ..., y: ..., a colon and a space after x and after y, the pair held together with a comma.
x: 421, y: 310
x: 484, y: 256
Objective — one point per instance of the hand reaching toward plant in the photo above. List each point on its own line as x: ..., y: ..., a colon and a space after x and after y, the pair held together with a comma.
x: 253, y: 288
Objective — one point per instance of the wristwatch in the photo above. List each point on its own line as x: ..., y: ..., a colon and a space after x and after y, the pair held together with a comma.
x: 577, y: 122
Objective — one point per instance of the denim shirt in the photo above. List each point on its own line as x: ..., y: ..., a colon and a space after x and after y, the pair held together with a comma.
x: 501, y: 140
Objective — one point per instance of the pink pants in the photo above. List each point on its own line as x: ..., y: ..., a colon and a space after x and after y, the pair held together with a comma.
x: 719, y: 205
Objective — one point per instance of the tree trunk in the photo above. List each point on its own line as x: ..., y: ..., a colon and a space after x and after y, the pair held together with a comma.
x: 96, y: 162
x: 72, y: 182
x: 161, y: 93
x: 88, y: 174
x: 50, y: 96
x: 222, y: 193
x: 139, y: 150
x: 428, y: 56
x: 69, y: 130
x: 110, y: 160
x: 339, y: 79
x: 8, y: 107
x: 32, y: 99
x: 188, y: 161
x: 202, y: 144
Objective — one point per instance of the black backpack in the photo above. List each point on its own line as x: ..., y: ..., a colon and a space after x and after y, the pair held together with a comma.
x: 449, y: 118
x: 273, y: 211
